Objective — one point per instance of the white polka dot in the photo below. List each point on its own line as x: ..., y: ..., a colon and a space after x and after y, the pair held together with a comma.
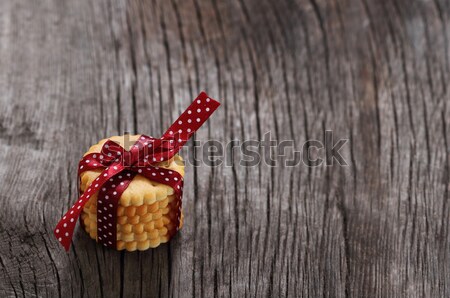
x: 109, y: 154
x: 103, y: 189
x: 105, y: 218
x: 99, y: 220
x: 175, y: 178
x: 180, y: 131
x: 198, y: 119
x: 180, y: 122
x: 97, y: 179
x: 109, y: 242
x: 178, y: 186
x: 199, y: 110
x: 65, y: 225
x: 167, y: 179
x: 162, y: 173
x: 71, y: 212
x: 149, y: 146
x: 101, y: 156
x: 162, y: 159
x: 99, y: 202
x: 140, y: 171
x: 110, y: 215
x: 189, y: 121
x: 105, y: 175
x: 170, y: 172
x: 78, y: 207
x: 59, y: 239
x: 88, y: 161
x: 110, y: 234
x: 114, y: 193
x: 170, y: 132
x: 111, y: 179
x: 121, y: 183
x: 180, y: 140
x: 188, y: 130
x: 107, y: 197
x: 198, y: 101
x: 111, y: 205
x: 189, y: 112
x: 153, y: 174
x: 207, y: 109
x: 119, y: 153
x: 71, y: 220
x: 81, y: 167
x: 99, y: 238
x: 208, y: 99
x: 110, y: 224
x: 57, y: 231
x: 96, y: 185
x: 120, y: 177
x: 115, y: 168
x: 99, y: 211
x: 94, y: 156
x: 100, y: 229
x: 128, y: 174
x: 154, y: 158
x: 113, y: 185
x: 67, y: 234
x: 106, y: 146
x: 95, y: 164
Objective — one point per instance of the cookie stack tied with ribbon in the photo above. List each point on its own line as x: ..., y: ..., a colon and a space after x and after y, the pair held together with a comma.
x: 131, y: 186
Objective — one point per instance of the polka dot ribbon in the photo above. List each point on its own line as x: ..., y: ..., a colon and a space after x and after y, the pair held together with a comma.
x: 121, y: 166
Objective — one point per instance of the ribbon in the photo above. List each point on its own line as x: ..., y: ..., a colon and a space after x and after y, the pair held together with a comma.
x: 121, y: 166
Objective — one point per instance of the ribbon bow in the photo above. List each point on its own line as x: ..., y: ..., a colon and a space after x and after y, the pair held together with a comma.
x: 120, y: 166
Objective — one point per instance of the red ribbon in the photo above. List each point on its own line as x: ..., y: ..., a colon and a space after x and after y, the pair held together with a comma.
x: 120, y: 166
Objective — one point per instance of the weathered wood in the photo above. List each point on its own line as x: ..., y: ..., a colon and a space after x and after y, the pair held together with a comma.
x: 374, y: 72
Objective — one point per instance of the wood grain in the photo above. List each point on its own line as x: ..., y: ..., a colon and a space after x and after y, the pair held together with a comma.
x: 373, y: 72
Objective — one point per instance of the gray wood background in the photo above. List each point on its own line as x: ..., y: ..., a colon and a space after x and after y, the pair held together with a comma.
x: 373, y: 72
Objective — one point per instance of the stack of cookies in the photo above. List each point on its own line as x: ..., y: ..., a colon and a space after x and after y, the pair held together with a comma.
x: 146, y: 213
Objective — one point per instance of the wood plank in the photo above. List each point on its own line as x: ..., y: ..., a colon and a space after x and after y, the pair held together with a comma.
x: 373, y: 72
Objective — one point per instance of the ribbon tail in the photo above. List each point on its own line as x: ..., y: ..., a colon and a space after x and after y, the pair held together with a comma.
x: 65, y: 228
x: 191, y: 120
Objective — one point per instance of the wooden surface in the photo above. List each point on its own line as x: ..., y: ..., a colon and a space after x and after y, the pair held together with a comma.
x: 374, y: 72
